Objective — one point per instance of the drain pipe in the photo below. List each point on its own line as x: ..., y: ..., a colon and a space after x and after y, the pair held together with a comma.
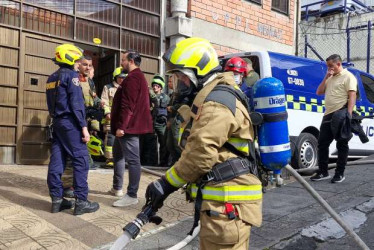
x: 178, y: 26
x: 328, y: 208
x: 310, y: 171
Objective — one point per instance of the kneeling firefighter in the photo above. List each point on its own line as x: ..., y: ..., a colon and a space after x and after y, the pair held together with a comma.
x: 214, y: 163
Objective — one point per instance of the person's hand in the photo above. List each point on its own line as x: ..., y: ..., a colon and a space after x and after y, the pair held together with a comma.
x: 86, y: 135
x: 107, y: 117
x: 120, y: 133
x: 157, y: 192
x: 329, y: 73
x: 169, y: 109
x: 102, y: 104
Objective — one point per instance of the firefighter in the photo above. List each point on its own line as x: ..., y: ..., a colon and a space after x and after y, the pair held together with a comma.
x: 107, y: 98
x: 160, y: 116
x: 215, y: 161
x: 70, y: 134
x: 92, y: 102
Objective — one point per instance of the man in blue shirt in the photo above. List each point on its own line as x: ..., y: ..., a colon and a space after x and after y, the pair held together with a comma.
x: 70, y: 135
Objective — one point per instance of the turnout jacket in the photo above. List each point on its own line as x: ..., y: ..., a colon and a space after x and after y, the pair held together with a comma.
x: 213, y: 125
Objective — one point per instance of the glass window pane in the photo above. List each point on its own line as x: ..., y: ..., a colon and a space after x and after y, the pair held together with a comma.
x: 48, y: 22
x: 66, y: 6
x: 9, y: 13
x: 99, y: 10
x: 142, y: 43
x: 88, y: 30
x: 150, y: 5
x: 141, y: 21
x: 280, y: 6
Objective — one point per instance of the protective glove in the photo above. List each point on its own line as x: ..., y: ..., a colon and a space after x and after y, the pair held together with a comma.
x: 157, y: 192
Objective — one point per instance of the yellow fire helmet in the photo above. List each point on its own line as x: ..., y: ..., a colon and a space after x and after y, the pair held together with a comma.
x: 118, y: 72
x: 196, y: 53
x: 157, y: 79
x: 67, y: 54
x: 94, y: 146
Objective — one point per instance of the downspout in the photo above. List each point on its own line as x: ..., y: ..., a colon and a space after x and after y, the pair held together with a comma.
x: 178, y: 26
x: 162, y: 37
x: 298, y: 15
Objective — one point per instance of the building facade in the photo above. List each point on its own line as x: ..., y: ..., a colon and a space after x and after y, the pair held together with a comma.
x: 31, y: 29
x: 235, y: 25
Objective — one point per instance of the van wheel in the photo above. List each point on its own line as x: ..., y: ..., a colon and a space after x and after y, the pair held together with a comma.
x: 305, y: 154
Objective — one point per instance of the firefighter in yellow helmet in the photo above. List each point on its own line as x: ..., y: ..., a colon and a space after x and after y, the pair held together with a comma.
x: 107, y: 96
x: 70, y: 134
x: 215, y: 162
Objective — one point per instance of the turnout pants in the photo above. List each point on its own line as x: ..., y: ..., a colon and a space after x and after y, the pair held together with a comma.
x: 68, y: 142
x: 218, y: 232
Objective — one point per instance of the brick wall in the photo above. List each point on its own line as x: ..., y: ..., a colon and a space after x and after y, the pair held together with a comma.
x: 248, y: 17
x: 223, y: 50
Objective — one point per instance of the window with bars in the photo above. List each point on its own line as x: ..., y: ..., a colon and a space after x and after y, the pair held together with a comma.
x: 280, y: 6
x: 65, y: 6
x: 255, y: 1
x: 99, y: 10
x: 87, y: 30
x: 46, y: 21
x: 141, y: 21
x: 10, y: 13
x: 141, y: 43
x: 149, y: 5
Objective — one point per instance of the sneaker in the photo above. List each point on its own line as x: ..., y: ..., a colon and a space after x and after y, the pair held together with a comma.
x: 115, y: 192
x: 126, y: 201
x: 337, y: 178
x: 320, y: 177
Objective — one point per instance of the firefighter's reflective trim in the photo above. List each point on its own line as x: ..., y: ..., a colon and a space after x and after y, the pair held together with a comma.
x: 109, y: 149
x: 240, y: 144
x: 173, y: 178
x: 180, y: 133
x: 52, y: 85
x: 275, y: 148
x: 229, y: 193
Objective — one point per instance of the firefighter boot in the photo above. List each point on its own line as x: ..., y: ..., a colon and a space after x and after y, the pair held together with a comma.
x: 59, y: 204
x: 82, y: 207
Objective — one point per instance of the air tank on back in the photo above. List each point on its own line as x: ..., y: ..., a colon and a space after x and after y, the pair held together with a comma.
x: 274, y: 143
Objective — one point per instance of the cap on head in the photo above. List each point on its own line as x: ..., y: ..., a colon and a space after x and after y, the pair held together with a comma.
x: 159, y: 80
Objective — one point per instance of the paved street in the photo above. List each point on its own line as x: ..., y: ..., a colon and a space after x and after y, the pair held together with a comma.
x: 292, y: 218
x: 26, y: 223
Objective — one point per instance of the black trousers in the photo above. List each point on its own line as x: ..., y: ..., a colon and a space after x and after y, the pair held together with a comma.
x: 324, y: 140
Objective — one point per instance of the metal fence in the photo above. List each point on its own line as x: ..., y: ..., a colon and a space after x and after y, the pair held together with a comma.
x: 347, y: 34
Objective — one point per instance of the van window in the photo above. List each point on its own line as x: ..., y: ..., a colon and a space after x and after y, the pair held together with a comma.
x: 368, y: 83
x: 254, y: 59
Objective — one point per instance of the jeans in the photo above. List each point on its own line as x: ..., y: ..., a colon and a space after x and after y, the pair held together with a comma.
x: 127, y: 148
x: 324, y: 140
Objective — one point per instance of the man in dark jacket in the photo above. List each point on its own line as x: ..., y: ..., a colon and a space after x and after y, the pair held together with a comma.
x: 130, y: 117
